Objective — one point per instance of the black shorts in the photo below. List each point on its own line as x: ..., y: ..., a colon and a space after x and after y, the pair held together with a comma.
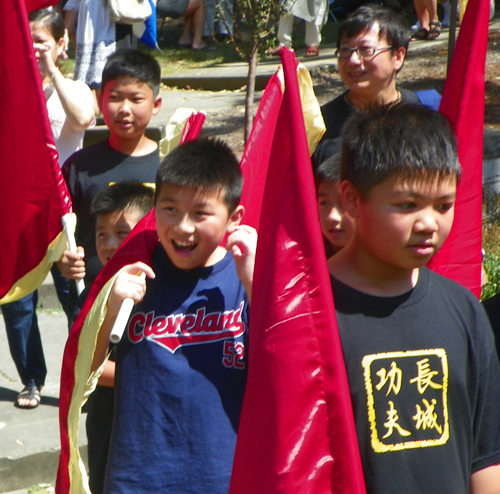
x: 172, y: 8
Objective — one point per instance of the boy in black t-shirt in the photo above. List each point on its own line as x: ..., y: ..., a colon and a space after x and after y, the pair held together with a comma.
x: 418, y: 349
x: 129, y: 98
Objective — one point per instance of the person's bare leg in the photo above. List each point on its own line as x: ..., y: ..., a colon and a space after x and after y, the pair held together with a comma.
x: 431, y: 7
x: 196, y: 11
x: 186, y: 38
x: 198, y: 22
x: 422, y: 13
x: 434, y: 24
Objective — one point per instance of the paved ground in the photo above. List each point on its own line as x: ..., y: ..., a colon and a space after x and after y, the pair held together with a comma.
x: 29, y: 440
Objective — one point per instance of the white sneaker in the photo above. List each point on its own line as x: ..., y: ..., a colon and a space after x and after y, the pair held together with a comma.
x: 415, y: 26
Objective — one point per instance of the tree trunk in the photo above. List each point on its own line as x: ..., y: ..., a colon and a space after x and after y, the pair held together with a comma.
x: 452, y: 33
x: 252, y: 73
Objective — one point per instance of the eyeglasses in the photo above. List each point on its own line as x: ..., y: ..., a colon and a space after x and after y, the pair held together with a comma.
x: 345, y: 53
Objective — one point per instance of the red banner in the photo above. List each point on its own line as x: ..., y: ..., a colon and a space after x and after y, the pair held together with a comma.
x: 33, y: 195
x: 463, y: 105
x: 296, y: 432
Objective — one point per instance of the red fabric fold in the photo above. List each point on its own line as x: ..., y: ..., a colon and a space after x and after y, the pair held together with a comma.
x: 193, y: 126
x: 296, y: 432
x: 463, y: 104
x: 33, y: 195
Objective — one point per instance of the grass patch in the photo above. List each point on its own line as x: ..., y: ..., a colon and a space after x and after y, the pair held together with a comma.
x: 491, y: 243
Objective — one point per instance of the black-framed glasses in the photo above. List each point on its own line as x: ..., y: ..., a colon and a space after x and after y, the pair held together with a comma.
x: 362, y: 51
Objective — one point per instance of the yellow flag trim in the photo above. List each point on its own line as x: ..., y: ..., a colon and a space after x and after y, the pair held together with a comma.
x: 84, y: 386
x: 32, y: 280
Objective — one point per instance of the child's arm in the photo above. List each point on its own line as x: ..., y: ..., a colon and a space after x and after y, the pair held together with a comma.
x: 72, y: 265
x: 107, y: 378
x: 243, y: 244
x: 127, y: 285
x: 486, y: 481
x: 76, y: 99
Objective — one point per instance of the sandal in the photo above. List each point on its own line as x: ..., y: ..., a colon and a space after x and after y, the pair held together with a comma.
x: 420, y: 35
x: 312, y: 51
x: 31, y: 392
x: 435, y: 30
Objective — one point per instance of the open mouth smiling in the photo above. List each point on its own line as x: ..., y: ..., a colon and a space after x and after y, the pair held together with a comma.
x: 183, y: 245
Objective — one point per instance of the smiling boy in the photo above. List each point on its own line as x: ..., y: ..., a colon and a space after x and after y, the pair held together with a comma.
x: 129, y: 98
x: 181, y: 365
x: 418, y: 350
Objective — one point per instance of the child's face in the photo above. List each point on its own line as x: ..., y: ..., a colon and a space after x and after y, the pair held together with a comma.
x: 42, y: 35
x: 401, y: 224
x: 112, y: 229
x: 127, y: 107
x: 336, y: 224
x: 191, y: 224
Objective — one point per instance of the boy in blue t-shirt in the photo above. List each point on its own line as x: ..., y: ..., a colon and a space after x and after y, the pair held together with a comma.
x: 418, y: 350
x: 181, y: 365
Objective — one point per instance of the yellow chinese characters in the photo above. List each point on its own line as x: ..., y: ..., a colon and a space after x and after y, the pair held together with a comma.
x: 424, y: 377
x: 416, y: 415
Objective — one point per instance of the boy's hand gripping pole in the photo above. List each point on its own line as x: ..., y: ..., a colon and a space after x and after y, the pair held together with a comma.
x: 69, y: 229
x: 122, y: 319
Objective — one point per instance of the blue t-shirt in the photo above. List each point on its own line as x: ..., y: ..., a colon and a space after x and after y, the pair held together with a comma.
x: 181, y: 373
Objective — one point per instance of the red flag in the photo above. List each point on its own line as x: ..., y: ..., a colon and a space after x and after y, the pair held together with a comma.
x: 258, y: 150
x: 193, y: 126
x: 138, y: 246
x: 33, y: 195
x: 296, y: 432
x: 463, y: 104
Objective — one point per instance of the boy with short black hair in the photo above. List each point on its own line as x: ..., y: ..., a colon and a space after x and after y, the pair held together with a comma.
x: 117, y: 209
x: 128, y: 100
x: 181, y: 365
x: 372, y: 43
x: 336, y: 224
x: 418, y: 349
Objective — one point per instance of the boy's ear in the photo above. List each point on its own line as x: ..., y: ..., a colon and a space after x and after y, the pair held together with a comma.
x: 350, y: 198
x: 156, y: 105
x: 235, y: 218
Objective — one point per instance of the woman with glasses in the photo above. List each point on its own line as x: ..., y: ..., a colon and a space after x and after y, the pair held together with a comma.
x: 371, y: 47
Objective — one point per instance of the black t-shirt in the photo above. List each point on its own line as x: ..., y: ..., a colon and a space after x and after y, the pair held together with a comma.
x: 425, y: 385
x: 91, y: 169
x: 335, y: 113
